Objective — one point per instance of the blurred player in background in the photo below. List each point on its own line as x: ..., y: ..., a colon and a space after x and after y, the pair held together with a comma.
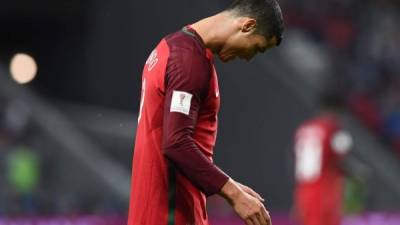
x: 173, y: 171
x: 320, y: 147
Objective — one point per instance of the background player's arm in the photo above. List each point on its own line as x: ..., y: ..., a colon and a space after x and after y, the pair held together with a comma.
x: 342, y: 145
x: 188, y: 76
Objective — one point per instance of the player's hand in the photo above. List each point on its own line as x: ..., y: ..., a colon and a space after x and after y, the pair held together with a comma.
x: 250, y: 191
x: 250, y: 209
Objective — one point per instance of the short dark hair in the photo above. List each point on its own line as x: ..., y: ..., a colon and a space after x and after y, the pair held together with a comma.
x: 267, y: 13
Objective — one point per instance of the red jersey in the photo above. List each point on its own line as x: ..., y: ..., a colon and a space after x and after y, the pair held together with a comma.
x: 177, y: 126
x: 320, y: 144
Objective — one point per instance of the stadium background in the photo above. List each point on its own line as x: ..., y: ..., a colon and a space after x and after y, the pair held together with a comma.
x: 66, y: 138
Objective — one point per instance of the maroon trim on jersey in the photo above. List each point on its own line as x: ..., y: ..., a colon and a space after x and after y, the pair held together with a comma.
x: 189, y: 30
x: 188, y: 70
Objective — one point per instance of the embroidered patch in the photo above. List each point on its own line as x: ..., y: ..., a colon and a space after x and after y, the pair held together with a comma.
x: 181, y: 102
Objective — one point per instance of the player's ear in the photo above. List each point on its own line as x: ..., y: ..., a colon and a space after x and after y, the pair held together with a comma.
x: 248, y: 25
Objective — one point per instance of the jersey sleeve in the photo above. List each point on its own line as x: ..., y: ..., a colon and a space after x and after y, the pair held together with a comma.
x: 186, y: 87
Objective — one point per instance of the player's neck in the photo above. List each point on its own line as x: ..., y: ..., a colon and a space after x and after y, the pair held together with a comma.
x: 214, y: 30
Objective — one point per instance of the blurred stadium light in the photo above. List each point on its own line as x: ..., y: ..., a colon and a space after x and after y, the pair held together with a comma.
x: 23, y: 68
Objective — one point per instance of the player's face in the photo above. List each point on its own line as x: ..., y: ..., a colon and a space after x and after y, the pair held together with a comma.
x: 246, y: 47
x: 246, y: 43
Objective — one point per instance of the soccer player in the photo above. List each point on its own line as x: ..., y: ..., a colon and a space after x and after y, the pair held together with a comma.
x: 173, y: 170
x: 320, y: 147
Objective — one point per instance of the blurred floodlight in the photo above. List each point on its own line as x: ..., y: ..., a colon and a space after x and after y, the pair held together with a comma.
x: 23, y: 68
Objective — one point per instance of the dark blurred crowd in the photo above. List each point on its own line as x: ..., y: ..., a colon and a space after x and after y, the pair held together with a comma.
x: 33, y: 179
x: 357, y: 43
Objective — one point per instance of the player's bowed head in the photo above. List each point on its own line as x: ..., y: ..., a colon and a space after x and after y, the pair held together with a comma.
x: 245, y: 28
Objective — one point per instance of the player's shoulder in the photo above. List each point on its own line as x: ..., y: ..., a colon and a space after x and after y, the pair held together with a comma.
x: 312, y: 125
x: 181, y: 43
x: 326, y: 125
